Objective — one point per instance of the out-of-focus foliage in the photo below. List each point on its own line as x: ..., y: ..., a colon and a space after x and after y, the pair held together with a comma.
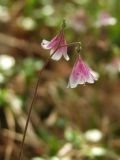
x: 66, y: 124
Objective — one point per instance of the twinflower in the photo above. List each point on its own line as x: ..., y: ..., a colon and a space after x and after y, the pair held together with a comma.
x: 81, y: 73
x: 57, y: 46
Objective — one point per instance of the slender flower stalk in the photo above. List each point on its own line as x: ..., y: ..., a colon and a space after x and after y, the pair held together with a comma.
x: 31, y: 105
x: 81, y: 73
x: 34, y: 96
x: 56, y: 42
x: 71, y: 44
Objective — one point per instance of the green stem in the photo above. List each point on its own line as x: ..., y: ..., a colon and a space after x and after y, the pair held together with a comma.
x: 71, y: 44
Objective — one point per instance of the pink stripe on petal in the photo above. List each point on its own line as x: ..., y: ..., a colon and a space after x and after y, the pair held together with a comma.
x: 57, y: 40
x: 74, y: 78
x: 56, y: 43
x: 81, y: 74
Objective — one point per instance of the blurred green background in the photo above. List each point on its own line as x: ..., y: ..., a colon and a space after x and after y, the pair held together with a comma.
x: 66, y: 124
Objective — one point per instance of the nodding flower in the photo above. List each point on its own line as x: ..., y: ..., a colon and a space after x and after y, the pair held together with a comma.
x: 57, y: 46
x: 81, y: 73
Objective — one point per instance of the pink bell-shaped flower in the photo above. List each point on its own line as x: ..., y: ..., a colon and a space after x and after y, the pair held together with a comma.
x: 58, y: 45
x: 81, y: 74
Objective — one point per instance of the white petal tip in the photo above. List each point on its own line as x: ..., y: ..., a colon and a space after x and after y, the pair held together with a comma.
x: 44, y: 44
x: 66, y: 57
x: 56, y: 57
x: 70, y: 85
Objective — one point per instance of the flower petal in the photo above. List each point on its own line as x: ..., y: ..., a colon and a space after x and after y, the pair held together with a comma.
x: 72, y: 83
x: 54, y: 42
x: 45, y: 44
x: 74, y: 78
x: 58, y: 45
x: 57, y: 55
x: 63, y: 51
x: 66, y: 57
x: 81, y: 74
x: 95, y: 75
x: 82, y: 79
x: 90, y: 79
x: 59, y: 52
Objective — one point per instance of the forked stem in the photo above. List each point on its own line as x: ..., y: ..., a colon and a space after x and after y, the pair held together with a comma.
x: 34, y: 96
